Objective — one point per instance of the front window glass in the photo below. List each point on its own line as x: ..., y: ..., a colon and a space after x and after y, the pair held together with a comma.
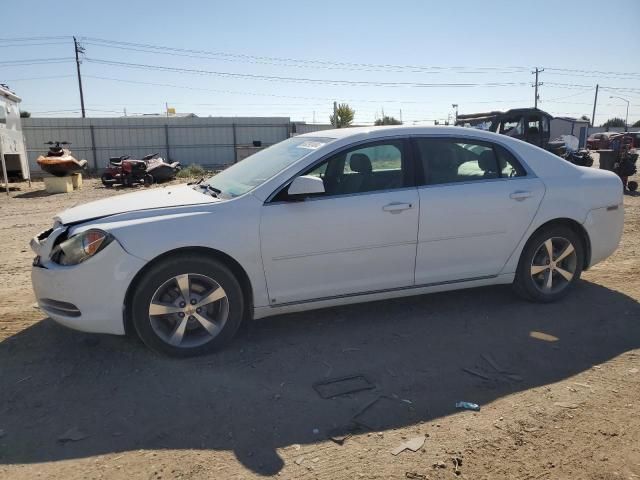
x: 261, y: 166
x: 365, y: 169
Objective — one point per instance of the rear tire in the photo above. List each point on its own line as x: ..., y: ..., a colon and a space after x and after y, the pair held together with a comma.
x: 171, y: 324
x: 543, y: 277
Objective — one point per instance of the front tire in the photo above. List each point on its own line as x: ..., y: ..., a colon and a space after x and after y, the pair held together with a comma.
x: 187, y: 305
x: 550, y: 264
x: 108, y: 180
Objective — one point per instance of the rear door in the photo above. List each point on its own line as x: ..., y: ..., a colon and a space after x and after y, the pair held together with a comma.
x: 476, y: 202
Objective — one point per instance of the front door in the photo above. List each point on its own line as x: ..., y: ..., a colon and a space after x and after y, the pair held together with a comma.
x: 358, y: 236
x: 476, y: 202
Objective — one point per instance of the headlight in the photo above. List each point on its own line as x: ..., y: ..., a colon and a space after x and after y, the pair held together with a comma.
x: 80, y: 247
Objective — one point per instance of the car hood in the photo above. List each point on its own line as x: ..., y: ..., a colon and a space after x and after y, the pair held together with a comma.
x: 175, y: 196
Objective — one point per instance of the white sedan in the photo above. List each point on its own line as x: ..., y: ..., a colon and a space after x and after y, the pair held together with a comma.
x: 325, y: 219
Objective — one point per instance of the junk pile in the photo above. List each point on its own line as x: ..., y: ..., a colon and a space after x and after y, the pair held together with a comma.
x: 127, y: 171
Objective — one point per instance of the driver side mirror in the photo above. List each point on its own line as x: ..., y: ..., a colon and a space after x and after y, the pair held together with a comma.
x: 306, y: 185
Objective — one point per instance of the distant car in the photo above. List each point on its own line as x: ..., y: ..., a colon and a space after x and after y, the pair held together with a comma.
x: 325, y: 219
x: 600, y: 141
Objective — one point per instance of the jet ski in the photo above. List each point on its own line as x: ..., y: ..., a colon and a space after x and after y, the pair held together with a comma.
x: 160, y: 170
x: 58, y: 161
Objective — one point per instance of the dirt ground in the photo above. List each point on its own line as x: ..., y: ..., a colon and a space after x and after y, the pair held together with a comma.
x: 559, y: 385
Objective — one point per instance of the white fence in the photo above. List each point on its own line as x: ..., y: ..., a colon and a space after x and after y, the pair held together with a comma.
x: 211, y: 141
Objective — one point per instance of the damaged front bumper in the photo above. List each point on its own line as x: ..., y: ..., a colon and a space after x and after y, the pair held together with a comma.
x: 88, y: 296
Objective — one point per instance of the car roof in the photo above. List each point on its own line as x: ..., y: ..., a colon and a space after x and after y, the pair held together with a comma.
x: 387, y: 130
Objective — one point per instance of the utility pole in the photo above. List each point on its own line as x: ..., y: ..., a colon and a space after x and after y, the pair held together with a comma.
x: 595, y: 100
x: 400, y: 115
x: 536, y: 85
x: 78, y: 49
x: 335, y: 114
x: 455, y: 105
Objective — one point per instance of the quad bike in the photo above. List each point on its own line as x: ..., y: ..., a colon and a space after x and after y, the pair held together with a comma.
x: 126, y: 172
x: 58, y: 161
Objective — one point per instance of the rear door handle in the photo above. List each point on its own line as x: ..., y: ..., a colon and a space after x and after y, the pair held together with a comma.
x: 397, y: 207
x: 520, y: 195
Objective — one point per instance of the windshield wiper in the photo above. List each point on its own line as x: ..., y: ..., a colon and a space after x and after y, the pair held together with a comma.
x: 212, y: 190
x: 197, y: 183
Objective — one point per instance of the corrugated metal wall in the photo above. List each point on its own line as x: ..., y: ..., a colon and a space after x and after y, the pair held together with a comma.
x: 207, y: 141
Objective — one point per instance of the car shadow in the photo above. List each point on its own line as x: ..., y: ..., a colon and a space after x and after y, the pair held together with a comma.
x: 423, y: 354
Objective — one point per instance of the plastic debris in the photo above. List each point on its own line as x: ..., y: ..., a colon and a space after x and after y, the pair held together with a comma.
x: 414, y: 444
x: 468, y: 406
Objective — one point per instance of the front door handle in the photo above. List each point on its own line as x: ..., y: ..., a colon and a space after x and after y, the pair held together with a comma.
x: 396, y: 207
x: 520, y: 195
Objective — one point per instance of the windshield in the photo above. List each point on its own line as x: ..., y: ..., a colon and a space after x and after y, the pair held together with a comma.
x: 261, y: 166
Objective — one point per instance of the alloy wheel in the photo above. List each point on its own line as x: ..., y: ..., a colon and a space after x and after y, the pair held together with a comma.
x: 554, y: 265
x: 188, y: 310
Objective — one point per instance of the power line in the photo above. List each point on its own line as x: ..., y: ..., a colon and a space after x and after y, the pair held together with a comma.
x: 32, y: 44
x: 272, y: 95
x: 350, y: 65
x: 592, y: 71
x: 34, y: 61
x: 300, y: 79
x: 36, y: 78
x: 30, y: 39
x: 307, y: 63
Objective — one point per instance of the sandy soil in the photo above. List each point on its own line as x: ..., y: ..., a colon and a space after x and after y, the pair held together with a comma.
x: 559, y: 384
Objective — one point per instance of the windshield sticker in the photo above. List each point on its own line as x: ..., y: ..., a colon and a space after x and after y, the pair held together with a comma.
x: 311, y: 145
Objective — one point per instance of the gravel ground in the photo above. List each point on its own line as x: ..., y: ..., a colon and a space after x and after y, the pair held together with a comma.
x: 558, y: 384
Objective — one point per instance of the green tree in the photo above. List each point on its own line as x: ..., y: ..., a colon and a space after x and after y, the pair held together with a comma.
x: 613, y: 122
x: 387, y: 120
x: 636, y: 125
x: 25, y: 114
x: 585, y: 118
x: 345, y: 116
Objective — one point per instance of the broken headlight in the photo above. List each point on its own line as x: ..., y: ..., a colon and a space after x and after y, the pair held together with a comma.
x: 80, y: 247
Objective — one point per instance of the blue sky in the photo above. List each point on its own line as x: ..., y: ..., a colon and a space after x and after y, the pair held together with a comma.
x: 470, y: 42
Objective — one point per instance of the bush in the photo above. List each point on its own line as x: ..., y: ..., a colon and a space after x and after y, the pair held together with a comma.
x: 193, y: 170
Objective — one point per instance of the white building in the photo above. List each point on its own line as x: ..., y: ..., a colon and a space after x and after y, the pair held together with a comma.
x: 13, y: 154
x: 570, y: 126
